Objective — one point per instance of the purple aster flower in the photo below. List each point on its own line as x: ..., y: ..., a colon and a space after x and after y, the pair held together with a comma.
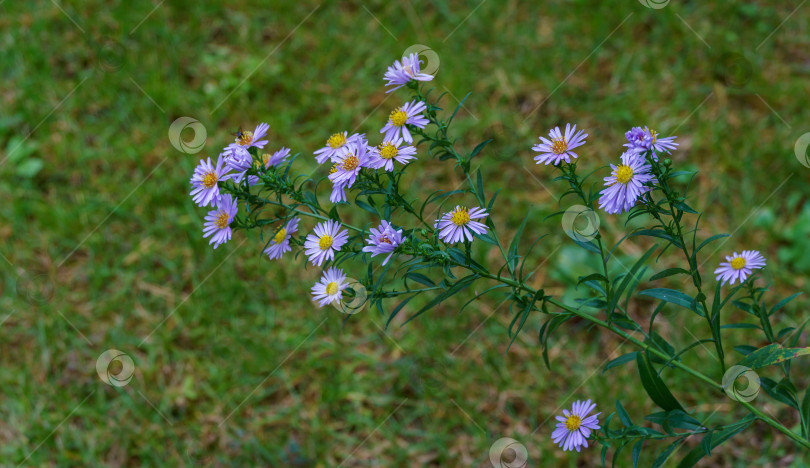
x: 218, y: 222
x: 410, y: 114
x: 272, y: 160
x: 625, y: 184
x: 400, y: 73
x: 327, y: 239
x: 330, y: 288
x: 247, y: 139
x: 238, y: 160
x: 335, y: 144
x: 738, y: 267
x: 575, y: 426
x: 641, y: 140
x: 281, y: 241
x: 204, y: 180
x: 560, y: 145
x: 384, y: 155
x: 353, y: 157
x: 383, y: 240
x: 455, y: 225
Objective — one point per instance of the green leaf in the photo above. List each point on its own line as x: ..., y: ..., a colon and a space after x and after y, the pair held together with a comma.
x: 479, y: 148
x: 623, y: 416
x: 668, y: 272
x: 714, y: 440
x: 784, y: 302
x: 672, y: 296
x: 664, y: 456
x: 637, y: 452
x: 710, y: 240
x: 617, y: 293
x: 805, y: 413
x: 654, y: 385
x: 459, y: 286
x: 420, y: 278
x: 772, y: 354
x: 513, y: 254
x: 623, y: 359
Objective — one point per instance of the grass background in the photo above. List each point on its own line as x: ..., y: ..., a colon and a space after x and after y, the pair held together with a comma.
x: 102, y: 248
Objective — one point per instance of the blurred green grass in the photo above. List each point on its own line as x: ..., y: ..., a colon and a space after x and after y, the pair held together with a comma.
x: 244, y: 370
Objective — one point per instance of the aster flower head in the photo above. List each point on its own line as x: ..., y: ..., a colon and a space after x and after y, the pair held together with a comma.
x: 384, y: 155
x: 625, y: 184
x: 281, y: 240
x: 353, y: 157
x: 218, y: 222
x: 455, y: 225
x: 272, y: 160
x: 409, y: 114
x: 401, y: 73
x: 739, y: 266
x: 335, y: 144
x: 204, y: 180
x: 238, y: 160
x: 327, y: 239
x: 383, y: 240
x: 330, y: 288
x: 640, y: 140
x: 558, y: 146
x: 575, y: 426
x: 247, y: 139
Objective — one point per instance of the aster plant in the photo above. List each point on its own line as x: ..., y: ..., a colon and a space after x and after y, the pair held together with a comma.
x: 412, y: 251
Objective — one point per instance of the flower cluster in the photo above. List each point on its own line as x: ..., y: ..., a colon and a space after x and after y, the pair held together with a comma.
x: 357, y: 168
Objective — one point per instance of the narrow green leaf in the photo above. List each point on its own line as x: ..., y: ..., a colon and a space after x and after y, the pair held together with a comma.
x: 623, y: 416
x: 668, y: 272
x: 654, y: 386
x: 772, y: 354
x: 672, y: 296
x: 623, y: 359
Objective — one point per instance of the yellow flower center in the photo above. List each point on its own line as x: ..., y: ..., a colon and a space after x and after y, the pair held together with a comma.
x: 265, y: 159
x: 388, y: 150
x: 210, y: 180
x: 737, y: 263
x: 244, y: 138
x: 559, y: 146
x: 223, y: 220
x: 385, y: 239
x: 461, y: 217
x: 398, y: 117
x: 624, y: 174
x: 350, y: 163
x: 573, y: 422
x: 280, y: 235
x: 332, y: 288
x: 653, y: 135
x: 334, y: 168
x: 325, y: 242
x: 336, y: 141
